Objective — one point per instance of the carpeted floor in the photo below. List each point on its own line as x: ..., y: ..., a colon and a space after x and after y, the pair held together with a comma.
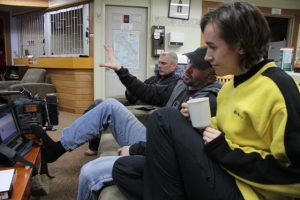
x: 67, y: 168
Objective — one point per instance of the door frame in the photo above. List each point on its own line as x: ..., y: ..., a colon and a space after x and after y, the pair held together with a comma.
x: 5, y: 16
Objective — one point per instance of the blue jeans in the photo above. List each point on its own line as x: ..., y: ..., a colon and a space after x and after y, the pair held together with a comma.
x: 125, y: 127
x: 93, y: 176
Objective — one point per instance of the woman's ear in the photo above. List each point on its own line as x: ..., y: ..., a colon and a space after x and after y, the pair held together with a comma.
x: 241, y: 51
x: 239, y: 48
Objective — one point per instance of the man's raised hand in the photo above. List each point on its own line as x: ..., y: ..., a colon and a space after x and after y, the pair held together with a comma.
x: 112, y: 62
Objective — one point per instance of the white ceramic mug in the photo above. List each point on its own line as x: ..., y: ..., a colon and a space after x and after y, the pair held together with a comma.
x: 199, y: 110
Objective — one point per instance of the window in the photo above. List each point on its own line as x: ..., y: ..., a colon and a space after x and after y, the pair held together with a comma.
x: 58, y: 33
x: 31, y: 35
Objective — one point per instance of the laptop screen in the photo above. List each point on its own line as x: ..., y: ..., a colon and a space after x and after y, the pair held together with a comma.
x: 8, y: 125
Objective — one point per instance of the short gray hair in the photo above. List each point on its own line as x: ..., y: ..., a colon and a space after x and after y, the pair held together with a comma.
x: 173, y: 56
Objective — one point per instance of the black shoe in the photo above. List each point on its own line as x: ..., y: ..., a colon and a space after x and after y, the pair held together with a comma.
x: 52, y: 150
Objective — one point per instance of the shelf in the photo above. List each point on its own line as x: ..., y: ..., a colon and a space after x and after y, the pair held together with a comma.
x: 57, y: 62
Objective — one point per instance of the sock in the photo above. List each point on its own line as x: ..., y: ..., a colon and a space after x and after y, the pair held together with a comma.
x: 51, y: 150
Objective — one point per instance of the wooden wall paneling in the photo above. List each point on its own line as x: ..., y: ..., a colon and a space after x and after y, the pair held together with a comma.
x: 75, y: 88
x: 87, y: 91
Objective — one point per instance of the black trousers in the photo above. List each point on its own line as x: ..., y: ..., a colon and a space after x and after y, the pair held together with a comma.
x: 176, y: 166
x: 128, y: 176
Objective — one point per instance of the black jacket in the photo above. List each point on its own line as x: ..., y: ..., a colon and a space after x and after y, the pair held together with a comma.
x: 157, y: 79
x: 171, y: 95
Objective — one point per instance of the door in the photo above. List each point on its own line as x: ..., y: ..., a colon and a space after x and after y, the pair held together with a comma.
x: 126, y: 31
x: 281, y: 30
x: 2, y: 50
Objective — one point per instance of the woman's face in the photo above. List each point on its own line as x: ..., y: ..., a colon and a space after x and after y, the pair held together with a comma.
x: 223, y: 58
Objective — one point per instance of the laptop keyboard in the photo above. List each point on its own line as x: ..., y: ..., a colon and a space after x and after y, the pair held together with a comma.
x: 16, y: 143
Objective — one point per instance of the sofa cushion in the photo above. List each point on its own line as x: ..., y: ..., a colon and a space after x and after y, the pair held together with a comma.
x: 108, y: 145
x: 111, y: 193
x: 34, y: 76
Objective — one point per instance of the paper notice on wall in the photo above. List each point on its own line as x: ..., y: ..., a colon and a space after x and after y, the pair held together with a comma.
x: 126, y: 26
x: 126, y: 48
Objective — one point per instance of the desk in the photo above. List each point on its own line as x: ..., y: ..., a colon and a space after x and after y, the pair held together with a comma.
x: 22, y: 185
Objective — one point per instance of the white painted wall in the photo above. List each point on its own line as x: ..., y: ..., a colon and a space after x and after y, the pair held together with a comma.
x: 190, y: 28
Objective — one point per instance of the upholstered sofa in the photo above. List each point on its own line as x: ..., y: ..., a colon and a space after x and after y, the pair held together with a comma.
x: 34, y: 80
x: 108, y: 147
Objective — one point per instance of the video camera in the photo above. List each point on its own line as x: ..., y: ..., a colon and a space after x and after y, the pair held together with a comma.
x: 33, y: 110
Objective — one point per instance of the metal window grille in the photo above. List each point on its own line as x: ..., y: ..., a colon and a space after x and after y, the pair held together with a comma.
x: 58, y: 33
x: 67, y: 31
x: 31, y: 35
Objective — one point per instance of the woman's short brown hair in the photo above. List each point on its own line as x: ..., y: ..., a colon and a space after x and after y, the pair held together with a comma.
x: 241, y: 23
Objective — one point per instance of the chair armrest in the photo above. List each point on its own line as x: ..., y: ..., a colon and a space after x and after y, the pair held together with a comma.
x: 142, y: 112
x: 118, y: 96
x: 35, y: 88
x: 111, y: 192
x: 5, y: 84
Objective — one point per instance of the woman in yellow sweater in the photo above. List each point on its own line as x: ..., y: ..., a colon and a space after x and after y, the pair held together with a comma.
x: 251, y: 150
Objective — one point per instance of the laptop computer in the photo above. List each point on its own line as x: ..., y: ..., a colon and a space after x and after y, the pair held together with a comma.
x: 10, y: 133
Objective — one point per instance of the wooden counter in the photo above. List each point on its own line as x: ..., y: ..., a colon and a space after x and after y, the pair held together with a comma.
x: 73, y: 78
x: 22, y: 184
